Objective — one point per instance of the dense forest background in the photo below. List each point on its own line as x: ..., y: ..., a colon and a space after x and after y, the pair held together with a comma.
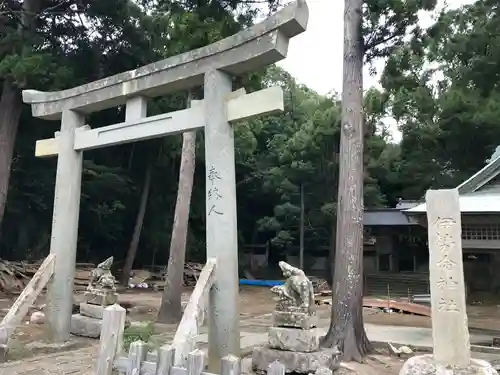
x: 440, y: 85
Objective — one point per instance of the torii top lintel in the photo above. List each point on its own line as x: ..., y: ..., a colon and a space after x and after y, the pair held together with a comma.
x: 259, y: 45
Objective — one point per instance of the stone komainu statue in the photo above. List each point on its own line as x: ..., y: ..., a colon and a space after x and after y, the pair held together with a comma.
x: 298, y: 290
x: 101, y: 276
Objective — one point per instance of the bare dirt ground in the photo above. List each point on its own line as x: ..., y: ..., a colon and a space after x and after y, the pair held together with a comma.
x: 29, y: 356
x: 256, y: 301
x: 375, y: 364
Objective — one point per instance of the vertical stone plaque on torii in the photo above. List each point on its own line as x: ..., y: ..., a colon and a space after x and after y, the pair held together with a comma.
x: 450, y: 332
x: 212, y: 67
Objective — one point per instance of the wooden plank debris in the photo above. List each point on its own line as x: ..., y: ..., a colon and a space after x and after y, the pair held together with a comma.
x: 156, y: 279
x: 14, y: 276
x: 401, y: 306
x: 320, y: 286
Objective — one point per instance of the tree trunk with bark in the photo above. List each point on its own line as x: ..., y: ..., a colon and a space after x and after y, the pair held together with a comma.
x: 171, y: 309
x: 346, y: 327
x: 11, y: 106
x: 10, y: 112
x: 134, y: 243
x: 330, y: 269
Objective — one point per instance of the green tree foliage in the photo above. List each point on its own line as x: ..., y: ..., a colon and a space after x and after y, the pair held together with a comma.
x: 301, y: 147
x: 386, y: 24
x: 77, y: 42
x: 443, y: 88
x: 71, y: 43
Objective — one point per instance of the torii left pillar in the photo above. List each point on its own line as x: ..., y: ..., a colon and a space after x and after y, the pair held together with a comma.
x: 65, y: 228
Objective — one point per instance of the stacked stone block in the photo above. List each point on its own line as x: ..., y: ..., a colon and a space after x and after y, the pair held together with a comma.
x: 294, y: 341
x: 101, y: 293
x: 294, y: 330
x: 89, y: 322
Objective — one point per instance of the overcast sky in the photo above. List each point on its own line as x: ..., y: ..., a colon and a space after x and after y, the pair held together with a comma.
x: 315, y: 57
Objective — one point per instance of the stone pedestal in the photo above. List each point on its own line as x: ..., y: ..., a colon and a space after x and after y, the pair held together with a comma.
x: 292, y: 339
x: 300, y: 362
x: 92, y: 311
x: 86, y: 326
x: 427, y: 365
x: 294, y: 319
x: 101, y: 293
x: 101, y: 297
x: 294, y: 342
x: 89, y: 322
x: 287, y: 315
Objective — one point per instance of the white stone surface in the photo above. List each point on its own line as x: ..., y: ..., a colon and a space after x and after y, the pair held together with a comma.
x: 294, y: 339
x: 92, y: 311
x: 136, y: 107
x: 323, y: 371
x: 65, y: 228
x: 138, y: 127
x: 85, y: 326
x: 294, y: 319
x: 37, y: 317
x: 222, y: 231
x: 449, y: 317
x: 428, y: 365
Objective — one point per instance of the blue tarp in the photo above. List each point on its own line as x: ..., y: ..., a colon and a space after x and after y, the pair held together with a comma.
x: 269, y: 283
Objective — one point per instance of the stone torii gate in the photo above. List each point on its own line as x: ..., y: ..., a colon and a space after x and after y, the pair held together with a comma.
x: 211, y: 66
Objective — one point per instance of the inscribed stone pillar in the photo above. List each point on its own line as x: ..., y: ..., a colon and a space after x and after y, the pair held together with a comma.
x: 222, y: 240
x: 450, y: 331
x: 65, y: 228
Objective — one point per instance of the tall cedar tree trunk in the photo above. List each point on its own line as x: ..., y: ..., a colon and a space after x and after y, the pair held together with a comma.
x: 134, y: 243
x: 330, y: 270
x: 171, y: 309
x: 10, y: 112
x: 346, y: 327
x: 11, y: 107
